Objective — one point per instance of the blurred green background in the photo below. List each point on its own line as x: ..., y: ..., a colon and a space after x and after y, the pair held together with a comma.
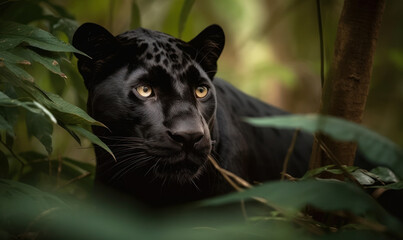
x: 271, y: 52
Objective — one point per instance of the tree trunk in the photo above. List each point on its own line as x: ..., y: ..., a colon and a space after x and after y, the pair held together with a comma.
x: 346, y: 89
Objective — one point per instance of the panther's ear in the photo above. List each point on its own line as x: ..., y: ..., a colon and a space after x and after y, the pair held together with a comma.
x: 209, y: 45
x: 96, y: 42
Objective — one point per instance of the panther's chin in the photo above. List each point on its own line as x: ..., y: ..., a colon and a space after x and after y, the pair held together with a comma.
x: 182, y: 171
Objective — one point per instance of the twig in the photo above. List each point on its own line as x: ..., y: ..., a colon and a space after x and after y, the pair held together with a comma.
x: 378, y: 192
x: 221, y: 170
x: 243, y: 208
x: 40, y: 216
x: 226, y: 174
x: 289, y: 153
x: 74, y: 180
x: 322, y: 55
x: 330, y: 154
x: 238, y: 179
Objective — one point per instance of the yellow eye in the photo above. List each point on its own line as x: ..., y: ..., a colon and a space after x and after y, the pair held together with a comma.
x: 144, y: 91
x: 201, y: 91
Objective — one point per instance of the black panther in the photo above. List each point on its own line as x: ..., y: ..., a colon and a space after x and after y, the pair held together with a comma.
x: 166, y: 114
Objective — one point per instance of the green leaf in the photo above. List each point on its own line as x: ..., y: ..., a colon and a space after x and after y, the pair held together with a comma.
x: 18, y: 71
x: 376, y: 148
x: 93, y: 138
x: 12, y: 34
x: 328, y: 195
x: 73, y: 134
x: 40, y: 127
x: 8, y: 102
x: 136, y: 16
x: 394, y: 186
x: 384, y: 174
x: 362, y: 177
x: 20, y: 204
x: 27, y: 54
x: 7, y: 56
x: 27, y: 86
x: 186, y: 7
x: 329, y: 168
x: 66, y: 112
x: 294, y: 196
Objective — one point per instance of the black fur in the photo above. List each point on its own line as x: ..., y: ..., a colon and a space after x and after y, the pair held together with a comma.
x: 162, y: 142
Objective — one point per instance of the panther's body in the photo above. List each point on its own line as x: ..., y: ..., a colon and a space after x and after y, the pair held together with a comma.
x: 166, y: 114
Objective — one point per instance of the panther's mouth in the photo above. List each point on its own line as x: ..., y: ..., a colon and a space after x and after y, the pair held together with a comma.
x: 181, y: 168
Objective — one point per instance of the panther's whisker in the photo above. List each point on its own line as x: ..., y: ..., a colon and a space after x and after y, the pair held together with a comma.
x: 126, y: 169
x: 194, y: 184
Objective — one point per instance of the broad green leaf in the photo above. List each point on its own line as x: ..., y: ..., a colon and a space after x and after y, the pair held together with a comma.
x: 18, y: 71
x: 40, y: 127
x: 362, y: 177
x: 93, y: 138
x: 73, y: 134
x: 329, y: 168
x: 136, y: 16
x: 394, y: 186
x: 8, y: 102
x: 384, y: 174
x: 69, y: 113
x: 186, y: 7
x: 20, y: 204
x: 352, y: 234
x: 294, y: 196
x: 10, y: 78
x: 51, y: 64
x: 328, y: 195
x: 64, y: 111
x: 376, y: 148
x: 12, y: 34
x: 7, y: 56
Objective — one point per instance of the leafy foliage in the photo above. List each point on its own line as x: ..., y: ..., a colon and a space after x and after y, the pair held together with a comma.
x: 23, y: 101
x: 376, y: 148
x: 38, y: 103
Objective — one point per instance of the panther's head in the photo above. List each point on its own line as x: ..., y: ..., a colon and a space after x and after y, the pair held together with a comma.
x: 155, y: 94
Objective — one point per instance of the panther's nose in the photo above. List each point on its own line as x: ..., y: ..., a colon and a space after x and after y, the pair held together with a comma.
x: 187, y: 133
x: 188, y: 138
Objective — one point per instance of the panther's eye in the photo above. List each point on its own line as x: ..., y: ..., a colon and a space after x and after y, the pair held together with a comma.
x: 201, y: 91
x: 144, y: 91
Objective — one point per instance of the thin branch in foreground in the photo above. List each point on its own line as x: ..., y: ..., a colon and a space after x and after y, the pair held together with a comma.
x: 84, y: 175
x: 289, y: 153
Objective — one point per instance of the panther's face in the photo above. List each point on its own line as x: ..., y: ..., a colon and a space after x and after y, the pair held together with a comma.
x: 155, y: 94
